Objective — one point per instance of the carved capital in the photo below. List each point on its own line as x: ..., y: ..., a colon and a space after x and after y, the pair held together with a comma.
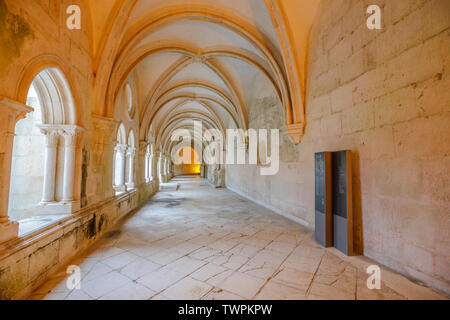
x: 104, y: 129
x: 71, y: 134
x: 53, y: 131
x: 131, y: 152
x: 121, y: 148
x: 143, y: 147
x: 51, y: 134
x: 51, y: 137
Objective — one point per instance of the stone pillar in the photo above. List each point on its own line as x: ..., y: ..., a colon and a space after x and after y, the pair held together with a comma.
x: 131, y: 154
x: 119, y: 168
x: 166, y: 170
x: 150, y: 167
x: 71, y: 135
x: 219, y: 177
x: 11, y: 112
x: 104, y: 136
x: 147, y: 167
x: 169, y: 170
x: 51, y: 144
x: 143, y: 163
x: 160, y: 167
x: 153, y: 167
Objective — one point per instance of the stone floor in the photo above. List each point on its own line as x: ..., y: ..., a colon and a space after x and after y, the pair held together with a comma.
x: 205, y: 243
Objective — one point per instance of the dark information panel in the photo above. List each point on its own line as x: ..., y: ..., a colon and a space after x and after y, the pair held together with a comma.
x: 342, y: 201
x: 323, y: 214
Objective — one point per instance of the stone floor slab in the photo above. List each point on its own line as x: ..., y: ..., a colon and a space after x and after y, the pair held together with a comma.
x: 215, y: 245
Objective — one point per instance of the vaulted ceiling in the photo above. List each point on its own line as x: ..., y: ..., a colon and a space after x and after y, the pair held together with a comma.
x: 198, y: 60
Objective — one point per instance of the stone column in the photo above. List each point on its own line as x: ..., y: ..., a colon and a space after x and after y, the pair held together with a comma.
x: 143, y: 163
x: 11, y: 112
x: 71, y: 135
x: 51, y: 143
x: 150, y: 167
x: 160, y: 167
x: 119, y: 168
x: 131, y: 154
x: 170, y: 169
x: 154, y: 171
x: 147, y: 167
x: 165, y: 167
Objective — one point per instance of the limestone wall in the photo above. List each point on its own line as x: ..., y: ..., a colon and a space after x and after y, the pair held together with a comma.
x: 383, y: 94
x: 33, y: 29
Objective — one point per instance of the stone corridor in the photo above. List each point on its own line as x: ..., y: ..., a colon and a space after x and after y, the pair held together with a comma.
x: 199, y: 242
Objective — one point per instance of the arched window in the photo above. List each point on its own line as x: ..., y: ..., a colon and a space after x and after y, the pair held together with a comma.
x: 186, y: 161
x: 152, y: 163
x: 45, y: 145
x: 147, y: 164
x: 119, y: 160
x: 131, y: 155
x: 160, y: 169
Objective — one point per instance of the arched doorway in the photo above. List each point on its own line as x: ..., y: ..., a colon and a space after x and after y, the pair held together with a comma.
x: 119, y: 160
x: 187, y: 162
x: 131, y: 155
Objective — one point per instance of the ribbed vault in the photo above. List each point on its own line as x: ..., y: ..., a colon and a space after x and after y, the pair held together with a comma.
x: 194, y: 62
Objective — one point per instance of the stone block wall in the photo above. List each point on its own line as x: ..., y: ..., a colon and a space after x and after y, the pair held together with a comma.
x: 384, y: 95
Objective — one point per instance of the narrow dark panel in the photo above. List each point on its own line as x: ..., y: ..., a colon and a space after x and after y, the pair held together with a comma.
x: 342, y: 201
x: 323, y: 213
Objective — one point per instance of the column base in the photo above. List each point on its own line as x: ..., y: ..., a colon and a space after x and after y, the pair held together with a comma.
x: 56, y: 208
x: 8, y: 231
x: 130, y: 186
